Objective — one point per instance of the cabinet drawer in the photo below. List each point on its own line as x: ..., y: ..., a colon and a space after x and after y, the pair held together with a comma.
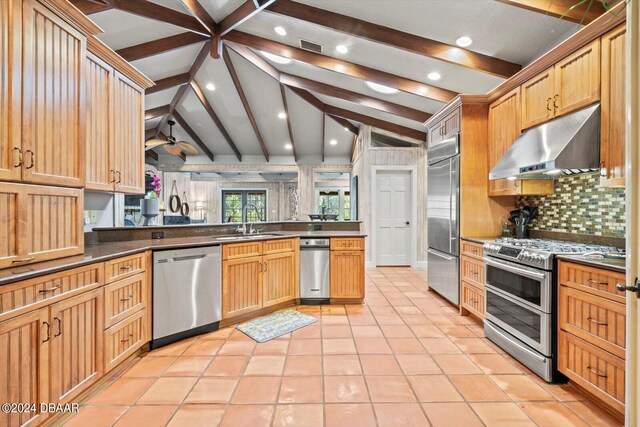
x: 472, y: 299
x: 472, y: 270
x: 353, y: 244
x: 119, y: 268
x: 279, y: 245
x: 124, y: 338
x: 471, y: 249
x: 30, y: 294
x: 594, y: 369
x: 597, y: 320
x: 593, y: 280
x: 123, y: 298
x: 241, y: 250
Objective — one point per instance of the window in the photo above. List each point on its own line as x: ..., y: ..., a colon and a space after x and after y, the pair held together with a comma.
x: 234, y: 200
x: 334, y: 202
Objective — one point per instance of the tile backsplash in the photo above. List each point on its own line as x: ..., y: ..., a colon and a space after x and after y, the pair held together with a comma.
x: 579, y: 205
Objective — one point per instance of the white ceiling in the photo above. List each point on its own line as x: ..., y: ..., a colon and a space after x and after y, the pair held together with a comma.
x: 497, y: 29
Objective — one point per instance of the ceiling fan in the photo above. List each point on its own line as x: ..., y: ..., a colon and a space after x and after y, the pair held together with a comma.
x: 170, y: 144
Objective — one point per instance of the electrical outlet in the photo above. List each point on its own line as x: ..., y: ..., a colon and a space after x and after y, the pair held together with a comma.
x: 87, y: 218
x: 93, y: 217
x: 157, y: 234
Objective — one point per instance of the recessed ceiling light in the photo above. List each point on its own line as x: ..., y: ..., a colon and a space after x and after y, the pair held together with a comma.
x: 333, y: 142
x: 342, y: 48
x: 282, y: 115
x: 434, y: 76
x: 288, y: 146
x: 281, y: 31
x: 464, y: 41
x: 346, y: 129
x: 276, y: 58
x: 210, y: 86
x: 381, y: 88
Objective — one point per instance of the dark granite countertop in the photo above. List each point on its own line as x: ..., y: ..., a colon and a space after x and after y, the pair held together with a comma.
x: 481, y: 240
x: 606, y: 263
x: 104, y: 251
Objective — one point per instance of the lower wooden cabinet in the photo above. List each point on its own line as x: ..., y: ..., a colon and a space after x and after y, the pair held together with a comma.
x: 347, y: 274
x: 472, y: 300
x: 241, y: 286
x: 124, y: 338
x: 278, y: 278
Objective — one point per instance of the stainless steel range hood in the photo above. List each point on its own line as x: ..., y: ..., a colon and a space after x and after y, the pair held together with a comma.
x: 564, y: 146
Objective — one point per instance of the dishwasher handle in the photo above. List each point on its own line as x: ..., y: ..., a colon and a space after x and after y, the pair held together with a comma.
x: 183, y: 258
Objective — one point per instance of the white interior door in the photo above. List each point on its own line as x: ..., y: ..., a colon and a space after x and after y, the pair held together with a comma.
x: 393, y: 218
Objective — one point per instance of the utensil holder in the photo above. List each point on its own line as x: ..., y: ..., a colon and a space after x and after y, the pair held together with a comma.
x: 522, y: 231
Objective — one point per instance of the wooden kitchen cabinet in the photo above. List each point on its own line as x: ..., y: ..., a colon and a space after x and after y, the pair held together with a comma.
x: 613, y: 96
x: 76, y: 345
x: 241, y: 286
x: 347, y: 274
x: 24, y: 357
x: 472, y: 299
x: 537, y: 100
x: 278, y: 279
x: 39, y: 223
x: 446, y: 128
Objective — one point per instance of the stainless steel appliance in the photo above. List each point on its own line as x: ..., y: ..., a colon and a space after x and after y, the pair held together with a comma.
x: 314, y: 271
x: 521, y: 306
x: 443, y: 189
x: 187, y: 293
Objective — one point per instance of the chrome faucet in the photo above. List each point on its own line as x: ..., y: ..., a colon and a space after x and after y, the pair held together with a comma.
x: 244, y: 215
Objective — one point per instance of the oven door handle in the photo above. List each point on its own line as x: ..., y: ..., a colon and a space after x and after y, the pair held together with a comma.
x: 513, y: 269
x: 523, y: 349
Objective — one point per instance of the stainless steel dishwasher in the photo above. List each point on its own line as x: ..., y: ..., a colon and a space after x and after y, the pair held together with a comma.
x: 314, y: 271
x: 187, y: 293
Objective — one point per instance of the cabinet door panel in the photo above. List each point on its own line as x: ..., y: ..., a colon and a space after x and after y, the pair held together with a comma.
x: 347, y: 274
x: 53, y: 123
x: 241, y: 286
x: 504, y: 128
x: 577, y: 79
x: 76, y: 345
x: 537, y: 99
x: 99, y: 143
x: 278, y: 279
x: 9, y: 214
x: 451, y: 124
x: 10, y: 87
x: 52, y: 222
x: 612, y: 128
x: 24, y: 347
x: 128, y: 136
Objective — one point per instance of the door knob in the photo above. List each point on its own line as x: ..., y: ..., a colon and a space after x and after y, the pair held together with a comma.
x: 632, y: 288
x: 407, y: 223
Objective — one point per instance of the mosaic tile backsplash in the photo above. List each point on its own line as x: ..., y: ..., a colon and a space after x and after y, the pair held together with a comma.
x: 579, y: 205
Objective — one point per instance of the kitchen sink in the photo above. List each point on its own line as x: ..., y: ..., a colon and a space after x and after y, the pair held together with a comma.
x: 245, y: 236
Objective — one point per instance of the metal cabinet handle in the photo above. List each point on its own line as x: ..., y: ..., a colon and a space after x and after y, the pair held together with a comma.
x: 260, y: 268
x: 127, y: 339
x: 126, y: 267
x: 119, y: 177
x: 20, y: 157
x: 555, y: 102
x: 59, y: 326
x: 46, y: 291
x: 16, y: 261
x: 130, y: 297
x: 594, y: 371
x: 48, y: 331
x: 113, y: 176
x: 548, y: 102
x: 265, y: 266
x: 33, y: 159
x: 597, y: 322
x: 598, y: 282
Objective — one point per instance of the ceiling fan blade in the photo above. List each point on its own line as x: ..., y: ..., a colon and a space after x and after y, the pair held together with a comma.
x: 186, y: 147
x: 154, y: 142
x: 173, y: 149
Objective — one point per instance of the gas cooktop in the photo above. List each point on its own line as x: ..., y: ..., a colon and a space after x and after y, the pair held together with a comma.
x: 540, y: 252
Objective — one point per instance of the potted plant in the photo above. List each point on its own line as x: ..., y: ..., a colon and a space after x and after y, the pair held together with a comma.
x: 150, y: 205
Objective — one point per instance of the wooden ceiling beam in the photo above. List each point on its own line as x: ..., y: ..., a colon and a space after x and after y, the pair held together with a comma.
x: 286, y: 111
x: 395, y: 38
x: 152, y: 154
x: 155, y: 47
x: 244, y: 12
x: 192, y: 134
x: 355, y: 97
x: 200, y: 13
x: 315, y: 102
x: 157, y: 112
x: 150, y: 10
x: 168, y: 83
x: 343, y: 67
x: 346, y: 124
x: 254, y: 59
x: 245, y: 102
x: 324, y: 133
x: 564, y: 9
x: 382, y: 124
x: 207, y: 106
x: 89, y: 7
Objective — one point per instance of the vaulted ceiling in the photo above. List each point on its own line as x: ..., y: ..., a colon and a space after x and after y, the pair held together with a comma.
x: 213, y: 78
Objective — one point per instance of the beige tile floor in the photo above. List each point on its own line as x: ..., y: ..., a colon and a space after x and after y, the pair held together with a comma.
x: 404, y: 358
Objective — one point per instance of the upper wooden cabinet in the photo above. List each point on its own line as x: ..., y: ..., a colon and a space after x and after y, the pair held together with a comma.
x: 612, y: 124
x: 504, y: 128
x: 569, y: 85
x: 115, y: 131
x: 446, y: 128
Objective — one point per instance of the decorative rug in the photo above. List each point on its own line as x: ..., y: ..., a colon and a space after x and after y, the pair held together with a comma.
x: 266, y: 328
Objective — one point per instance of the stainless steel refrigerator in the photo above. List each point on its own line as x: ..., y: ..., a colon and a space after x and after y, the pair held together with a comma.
x: 443, y: 225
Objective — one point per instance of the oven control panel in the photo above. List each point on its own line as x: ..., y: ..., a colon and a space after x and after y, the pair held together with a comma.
x: 532, y: 257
